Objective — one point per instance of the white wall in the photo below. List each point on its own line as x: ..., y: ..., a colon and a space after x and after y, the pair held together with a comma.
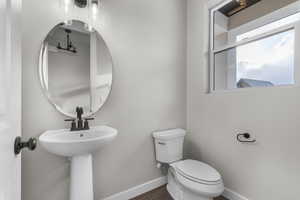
x: 268, y: 169
x: 147, y: 42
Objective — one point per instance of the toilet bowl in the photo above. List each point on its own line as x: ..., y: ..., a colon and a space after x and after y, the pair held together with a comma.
x: 193, y: 180
x: 187, y: 179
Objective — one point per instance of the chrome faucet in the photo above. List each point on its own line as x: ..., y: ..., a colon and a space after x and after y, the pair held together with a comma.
x: 80, y: 124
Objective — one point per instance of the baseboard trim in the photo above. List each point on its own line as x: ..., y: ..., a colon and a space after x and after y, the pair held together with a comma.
x: 138, y: 190
x: 232, y: 195
x: 151, y: 185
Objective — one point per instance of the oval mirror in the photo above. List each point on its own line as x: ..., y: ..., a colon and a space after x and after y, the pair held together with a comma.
x: 75, y: 69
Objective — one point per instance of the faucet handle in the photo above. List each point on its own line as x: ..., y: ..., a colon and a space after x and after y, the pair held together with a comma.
x: 70, y: 120
x: 86, y: 123
x: 89, y: 118
x: 73, y: 124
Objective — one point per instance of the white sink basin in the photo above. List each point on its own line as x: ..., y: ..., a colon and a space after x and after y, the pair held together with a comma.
x: 72, y: 143
x: 79, y: 145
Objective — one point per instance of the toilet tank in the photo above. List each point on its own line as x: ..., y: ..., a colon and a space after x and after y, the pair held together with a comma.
x: 169, y: 145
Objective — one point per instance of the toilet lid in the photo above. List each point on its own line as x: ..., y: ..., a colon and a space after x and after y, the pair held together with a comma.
x: 198, y: 170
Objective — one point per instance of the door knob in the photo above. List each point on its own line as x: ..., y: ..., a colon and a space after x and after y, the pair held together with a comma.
x: 19, y: 145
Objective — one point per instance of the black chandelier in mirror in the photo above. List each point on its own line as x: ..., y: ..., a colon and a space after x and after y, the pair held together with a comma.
x: 69, y: 45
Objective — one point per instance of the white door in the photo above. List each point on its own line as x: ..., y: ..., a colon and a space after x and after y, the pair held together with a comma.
x: 10, y: 98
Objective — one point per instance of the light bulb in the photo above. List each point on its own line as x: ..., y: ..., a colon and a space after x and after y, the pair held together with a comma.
x: 67, y: 8
x: 94, y: 10
x: 66, y: 5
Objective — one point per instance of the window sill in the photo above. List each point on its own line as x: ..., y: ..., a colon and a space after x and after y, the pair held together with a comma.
x: 253, y: 89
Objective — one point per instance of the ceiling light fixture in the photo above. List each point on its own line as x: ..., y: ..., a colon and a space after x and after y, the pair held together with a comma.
x: 93, y: 13
x: 69, y: 44
x: 92, y: 7
x: 67, y: 6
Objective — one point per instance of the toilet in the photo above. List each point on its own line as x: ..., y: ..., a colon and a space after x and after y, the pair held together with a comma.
x: 187, y: 179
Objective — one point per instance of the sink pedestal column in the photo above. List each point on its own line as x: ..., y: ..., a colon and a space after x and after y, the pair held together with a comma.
x: 81, y: 187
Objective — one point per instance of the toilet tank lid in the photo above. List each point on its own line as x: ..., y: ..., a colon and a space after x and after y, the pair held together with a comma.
x: 169, y: 134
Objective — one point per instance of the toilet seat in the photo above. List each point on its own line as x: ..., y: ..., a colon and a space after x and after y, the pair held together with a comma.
x: 198, y: 178
x: 197, y: 171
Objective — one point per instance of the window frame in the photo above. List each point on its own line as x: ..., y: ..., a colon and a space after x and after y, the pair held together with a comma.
x: 290, y: 9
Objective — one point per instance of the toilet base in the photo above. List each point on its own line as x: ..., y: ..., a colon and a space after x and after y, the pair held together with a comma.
x: 178, y: 192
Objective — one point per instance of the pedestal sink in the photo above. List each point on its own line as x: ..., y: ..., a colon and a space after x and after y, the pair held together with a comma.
x: 79, y: 146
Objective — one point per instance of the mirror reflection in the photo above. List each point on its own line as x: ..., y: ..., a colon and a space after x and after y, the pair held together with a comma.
x: 75, y: 68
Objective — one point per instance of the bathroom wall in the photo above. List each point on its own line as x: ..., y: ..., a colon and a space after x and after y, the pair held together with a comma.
x: 147, y: 40
x: 268, y: 169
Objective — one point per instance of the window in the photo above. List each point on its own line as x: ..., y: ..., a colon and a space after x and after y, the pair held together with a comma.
x: 270, y: 59
x: 269, y: 27
x: 249, y: 51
